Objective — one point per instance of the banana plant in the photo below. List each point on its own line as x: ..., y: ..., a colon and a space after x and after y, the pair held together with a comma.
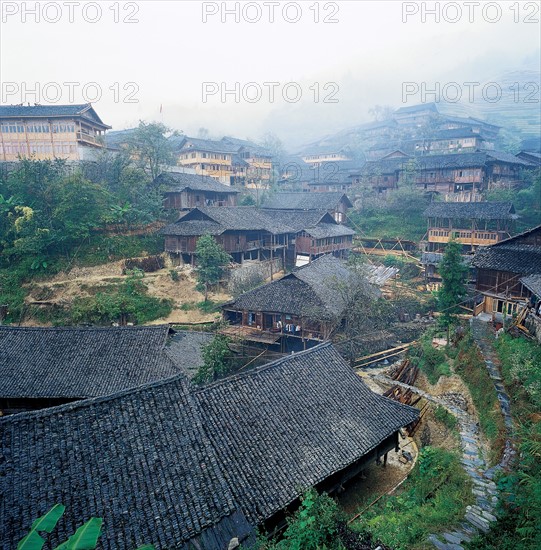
x: 85, y: 538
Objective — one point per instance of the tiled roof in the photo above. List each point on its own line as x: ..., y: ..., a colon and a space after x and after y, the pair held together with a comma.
x: 306, y: 201
x: 79, y: 362
x: 313, y: 291
x: 471, y: 210
x: 533, y: 283
x: 208, y: 145
x: 185, y: 350
x: 502, y: 156
x: 293, y: 423
x: 21, y: 111
x: 140, y: 460
x: 178, y: 181
x: 247, y: 145
x: 514, y: 258
x: 169, y: 465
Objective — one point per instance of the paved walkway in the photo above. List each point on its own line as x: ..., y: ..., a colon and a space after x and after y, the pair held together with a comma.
x: 480, y: 515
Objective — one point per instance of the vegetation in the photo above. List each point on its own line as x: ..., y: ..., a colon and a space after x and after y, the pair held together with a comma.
x: 470, y: 366
x: 217, y: 360
x: 432, y: 498
x: 85, y: 538
x: 53, y: 217
x: 518, y: 527
x: 445, y: 417
x: 399, y: 215
x: 211, y: 261
x: 453, y: 288
x: 122, y: 303
x: 431, y: 361
x: 408, y: 268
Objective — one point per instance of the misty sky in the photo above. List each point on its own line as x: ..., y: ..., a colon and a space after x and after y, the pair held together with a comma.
x: 170, y: 52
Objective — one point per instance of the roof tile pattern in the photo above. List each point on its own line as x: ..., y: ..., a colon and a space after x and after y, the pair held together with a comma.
x: 471, y: 210
x: 179, y: 181
x: 165, y: 463
x: 79, y: 362
x: 305, y: 201
x: 296, y: 422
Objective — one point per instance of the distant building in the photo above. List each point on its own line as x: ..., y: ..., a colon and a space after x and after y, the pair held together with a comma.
x: 248, y: 233
x: 71, y: 132
x: 501, y: 269
x: 208, y: 158
x: 472, y: 224
x: 258, y: 162
x: 416, y: 115
x: 320, y: 153
x: 336, y: 204
x: 186, y: 191
x: 531, y: 157
x: 447, y: 174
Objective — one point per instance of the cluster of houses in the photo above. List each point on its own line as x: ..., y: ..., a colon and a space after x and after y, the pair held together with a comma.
x: 417, y: 145
x: 107, y: 422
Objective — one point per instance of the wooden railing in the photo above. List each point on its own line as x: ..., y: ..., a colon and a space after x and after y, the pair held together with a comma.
x: 465, y: 236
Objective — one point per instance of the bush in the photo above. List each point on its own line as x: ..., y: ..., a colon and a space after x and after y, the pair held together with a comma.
x: 431, y: 361
x: 445, y: 417
x: 149, y: 264
x: 433, y: 498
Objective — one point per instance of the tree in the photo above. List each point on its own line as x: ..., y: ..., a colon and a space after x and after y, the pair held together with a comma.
x: 217, y: 360
x: 211, y: 260
x: 453, y: 274
x: 149, y: 143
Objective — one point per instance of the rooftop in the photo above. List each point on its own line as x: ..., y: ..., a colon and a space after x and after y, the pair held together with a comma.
x: 84, y: 110
x: 171, y: 465
x: 178, y: 181
x: 471, y: 210
x: 306, y: 201
x: 82, y: 362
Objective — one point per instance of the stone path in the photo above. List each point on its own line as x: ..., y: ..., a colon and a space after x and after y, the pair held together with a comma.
x: 480, y: 515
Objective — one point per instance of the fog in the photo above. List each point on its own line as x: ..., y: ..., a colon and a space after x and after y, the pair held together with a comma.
x: 193, y: 64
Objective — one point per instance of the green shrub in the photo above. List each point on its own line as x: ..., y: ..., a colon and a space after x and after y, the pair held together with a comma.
x: 433, y: 498
x: 442, y: 415
x: 431, y: 361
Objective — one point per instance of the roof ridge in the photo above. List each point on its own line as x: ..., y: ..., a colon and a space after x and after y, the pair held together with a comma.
x: 84, y: 328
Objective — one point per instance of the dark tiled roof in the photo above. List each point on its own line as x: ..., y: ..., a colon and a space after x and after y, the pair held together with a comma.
x: 514, y: 258
x: 306, y: 201
x: 502, y: 156
x: 179, y: 181
x: 314, y: 291
x: 293, y: 423
x: 207, y: 145
x: 185, y: 350
x: 468, y: 121
x: 20, y: 111
x: 80, y: 362
x: 140, y: 460
x: 217, y: 219
x: 471, y: 210
x: 166, y: 464
x: 533, y: 283
x: 247, y: 145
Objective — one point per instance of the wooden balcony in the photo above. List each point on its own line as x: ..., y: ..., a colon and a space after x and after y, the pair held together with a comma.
x: 88, y: 138
x: 466, y: 236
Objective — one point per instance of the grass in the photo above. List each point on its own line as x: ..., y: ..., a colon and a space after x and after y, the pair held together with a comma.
x: 432, y: 498
x: 204, y: 306
x: 431, y: 361
x: 442, y: 415
x: 471, y: 367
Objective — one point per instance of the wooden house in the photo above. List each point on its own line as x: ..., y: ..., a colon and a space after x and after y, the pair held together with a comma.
x: 501, y: 268
x: 249, y: 233
x: 301, y: 308
x: 472, y: 224
x: 416, y: 115
x: 45, y: 367
x: 257, y: 162
x: 181, y: 467
x: 71, y: 132
x: 186, y: 191
x: 208, y: 157
x: 531, y: 157
x: 245, y: 232
x: 336, y: 204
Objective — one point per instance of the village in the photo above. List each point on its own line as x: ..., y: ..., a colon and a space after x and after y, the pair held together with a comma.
x: 204, y: 337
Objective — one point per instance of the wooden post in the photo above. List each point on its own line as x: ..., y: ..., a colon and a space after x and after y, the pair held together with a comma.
x: 385, y: 460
